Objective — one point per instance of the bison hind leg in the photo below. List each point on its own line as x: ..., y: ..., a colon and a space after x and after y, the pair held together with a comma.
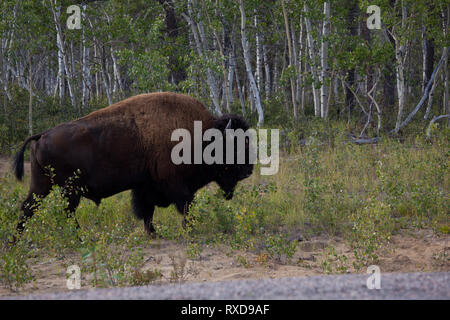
x: 28, y: 207
x: 143, y: 208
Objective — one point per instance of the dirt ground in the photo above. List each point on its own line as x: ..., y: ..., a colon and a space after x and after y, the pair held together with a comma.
x: 409, y: 252
x: 420, y: 252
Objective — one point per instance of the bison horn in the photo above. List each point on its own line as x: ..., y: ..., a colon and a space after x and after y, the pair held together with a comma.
x: 228, y: 125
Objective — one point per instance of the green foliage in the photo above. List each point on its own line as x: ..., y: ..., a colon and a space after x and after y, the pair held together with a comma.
x: 279, y: 247
x: 371, y: 229
x: 147, y: 69
x: 50, y: 229
x: 333, y: 262
x: 14, y: 269
x: 115, y: 259
x: 111, y: 243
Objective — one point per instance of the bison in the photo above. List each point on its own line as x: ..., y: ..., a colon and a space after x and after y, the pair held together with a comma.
x: 127, y: 146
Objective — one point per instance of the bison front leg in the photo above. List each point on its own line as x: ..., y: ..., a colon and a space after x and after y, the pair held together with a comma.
x: 74, y: 201
x: 143, y: 208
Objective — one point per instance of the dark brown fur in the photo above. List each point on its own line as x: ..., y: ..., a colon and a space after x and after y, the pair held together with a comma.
x: 128, y: 146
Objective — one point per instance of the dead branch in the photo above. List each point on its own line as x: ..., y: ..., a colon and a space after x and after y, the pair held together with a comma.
x: 433, y: 121
x: 425, y: 96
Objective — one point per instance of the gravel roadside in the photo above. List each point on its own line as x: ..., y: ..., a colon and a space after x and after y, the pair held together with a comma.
x: 393, y: 286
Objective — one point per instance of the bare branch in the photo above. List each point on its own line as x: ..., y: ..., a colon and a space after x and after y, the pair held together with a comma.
x: 433, y: 121
x: 425, y: 96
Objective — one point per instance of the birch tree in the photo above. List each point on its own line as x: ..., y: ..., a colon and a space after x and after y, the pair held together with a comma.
x: 258, y: 52
x: 267, y: 79
x: 400, y: 56
x: 311, y: 51
x: 445, y: 25
x: 200, y: 44
x: 324, y: 62
x: 248, y: 66
x: 291, y: 58
x: 56, y: 10
x: 86, y: 82
x: 30, y: 99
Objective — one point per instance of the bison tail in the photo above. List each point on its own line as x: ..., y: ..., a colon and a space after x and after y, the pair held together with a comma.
x: 19, y: 157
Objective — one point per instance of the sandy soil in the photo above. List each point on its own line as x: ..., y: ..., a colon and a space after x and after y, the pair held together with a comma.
x: 422, y: 251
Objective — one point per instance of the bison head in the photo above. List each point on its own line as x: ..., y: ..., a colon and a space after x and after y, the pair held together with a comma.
x: 228, y: 175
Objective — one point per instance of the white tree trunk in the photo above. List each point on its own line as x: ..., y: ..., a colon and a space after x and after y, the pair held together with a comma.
x: 295, y: 62
x: 300, y: 88
x: 291, y: 58
x: 430, y: 99
x: 258, y: 71
x: 4, y: 77
x: 117, y: 86
x: 231, y: 68
x: 225, y: 83
x: 248, y: 66
x: 30, y: 103
x: 117, y: 77
x: 97, y: 80
x: 446, y: 91
x: 312, y: 50
x: 424, y: 58
x: 86, y: 85
x: 61, y: 67
x: 267, y: 79
x: 324, y: 63
x: 400, y: 53
x: 200, y: 47
x: 62, y: 51
x: 445, y: 100
x: 400, y: 87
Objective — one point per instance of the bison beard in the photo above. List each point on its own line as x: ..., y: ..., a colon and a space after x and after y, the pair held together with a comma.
x: 127, y: 146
